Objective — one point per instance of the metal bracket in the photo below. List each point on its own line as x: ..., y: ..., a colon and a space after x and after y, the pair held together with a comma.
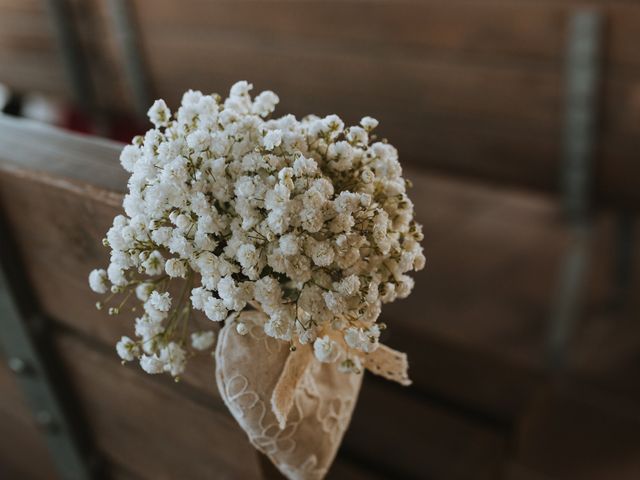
x: 123, y: 19
x: 26, y: 344
x: 582, y: 88
x: 583, y: 76
x: 73, y: 56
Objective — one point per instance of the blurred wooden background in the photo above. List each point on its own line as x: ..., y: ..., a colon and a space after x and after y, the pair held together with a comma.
x: 480, y: 83
x: 472, y: 93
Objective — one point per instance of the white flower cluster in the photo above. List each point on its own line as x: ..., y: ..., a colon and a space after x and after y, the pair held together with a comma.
x: 307, y: 220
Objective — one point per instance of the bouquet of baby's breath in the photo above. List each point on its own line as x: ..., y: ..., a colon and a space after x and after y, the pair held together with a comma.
x: 307, y: 220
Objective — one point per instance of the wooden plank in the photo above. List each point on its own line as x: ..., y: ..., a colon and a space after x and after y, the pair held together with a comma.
x: 500, y: 155
x: 406, y: 437
x: 490, y: 254
x: 43, y: 71
x: 383, y: 46
x: 150, y: 428
x: 61, y: 155
x: 574, y: 432
x: 23, y: 452
x: 531, y: 30
x: 28, y: 57
x: 399, y: 87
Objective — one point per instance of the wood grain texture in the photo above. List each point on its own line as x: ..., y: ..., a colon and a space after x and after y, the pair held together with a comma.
x: 575, y: 432
x: 509, y: 29
x: 470, y: 88
x: 151, y: 428
x: 29, y: 60
x: 473, y: 88
x: 474, y: 328
x: 406, y: 436
x: 23, y: 452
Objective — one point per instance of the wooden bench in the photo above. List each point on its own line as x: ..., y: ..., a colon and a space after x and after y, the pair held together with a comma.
x: 474, y: 331
x: 486, y: 80
x: 58, y: 194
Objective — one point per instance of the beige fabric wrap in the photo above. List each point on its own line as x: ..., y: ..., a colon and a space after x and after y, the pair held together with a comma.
x: 293, y: 408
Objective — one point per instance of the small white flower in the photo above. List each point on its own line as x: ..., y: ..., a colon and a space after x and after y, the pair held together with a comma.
x: 199, y: 297
x: 173, y: 358
x: 240, y: 89
x: 358, y: 338
x: 116, y: 275
x: 265, y: 103
x: 335, y: 302
x: 290, y: 244
x: 148, y: 327
x: 203, y: 340
x: 358, y: 136
x: 151, y: 364
x: 215, y: 309
x: 183, y: 222
x: 326, y: 350
x: 160, y: 301
x: 248, y: 255
x: 159, y: 114
x: 272, y: 139
x: 348, y: 286
x: 175, y: 268
x: 199, y: 141
x: 367, y: 176
x: 143, y: 290
x: 242, y: 328
x: 368, y: 123
x: 305, y: 166
x: 129, y: 156
x: 154, y: 264
x: 322, y: 253
x: 278, y: 326
x: 98, y: 281
x: 127, y: 349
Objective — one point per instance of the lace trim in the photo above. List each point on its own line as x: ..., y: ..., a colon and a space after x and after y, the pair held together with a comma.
x: 388, y: 363
x: 288, y: 383
x: 332, y: 412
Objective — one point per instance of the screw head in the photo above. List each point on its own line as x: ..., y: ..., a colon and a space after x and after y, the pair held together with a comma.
x: 17, y: 365
x: 45, y: 420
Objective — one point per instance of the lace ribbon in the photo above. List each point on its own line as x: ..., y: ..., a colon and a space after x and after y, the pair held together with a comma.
x: 388, y: 363
x: 283, y: 393
x: 384, y: 361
